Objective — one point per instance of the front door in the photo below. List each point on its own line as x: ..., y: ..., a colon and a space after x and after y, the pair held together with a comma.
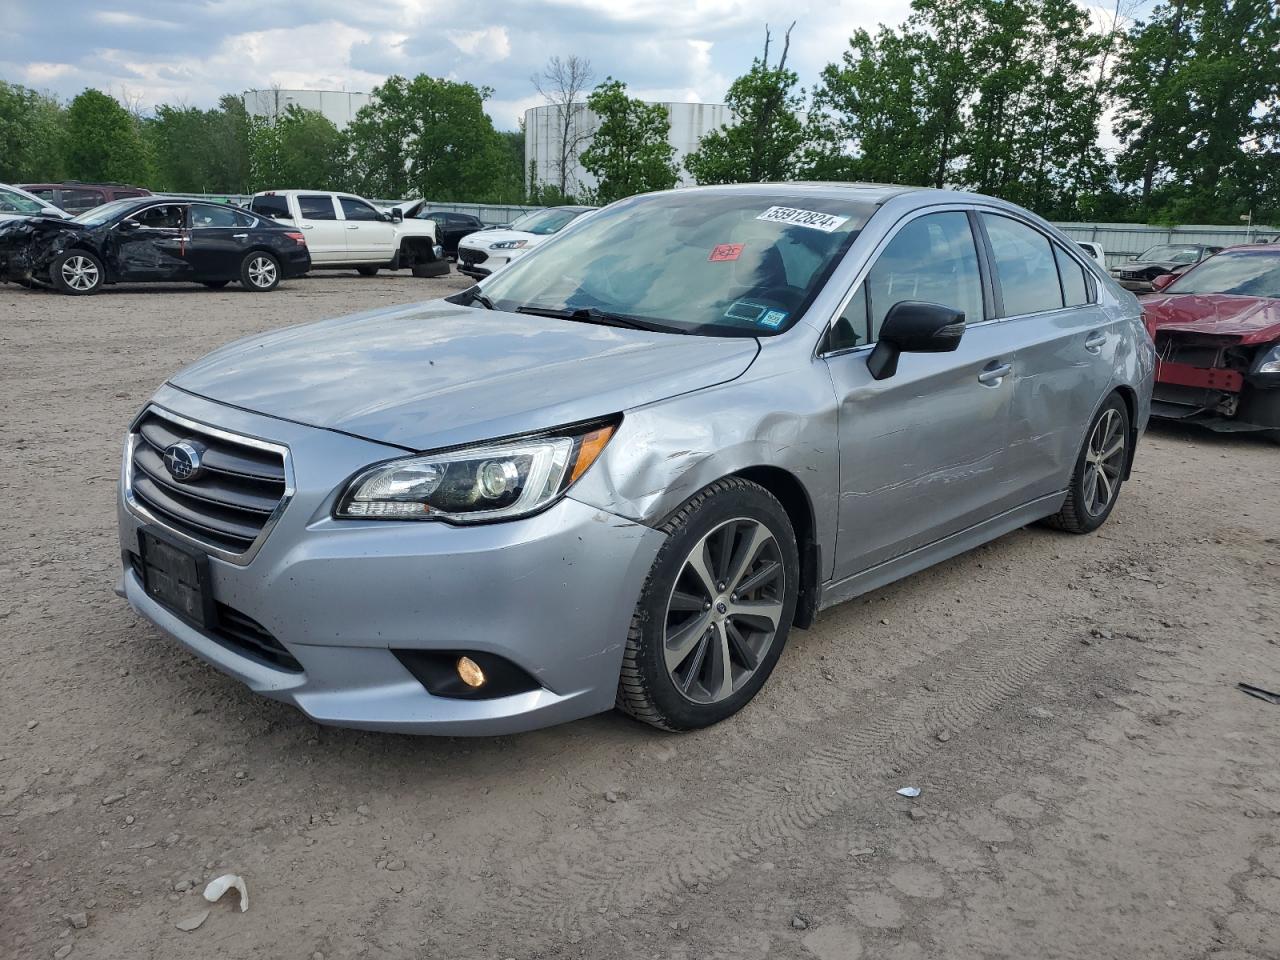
x: 923, y: 453
x: 152, y: 244
x: 370, y: 236
x: 326, y: 234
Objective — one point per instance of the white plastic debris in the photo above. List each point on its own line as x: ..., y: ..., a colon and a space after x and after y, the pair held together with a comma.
x: 216, y: 888
x: 909, y: 792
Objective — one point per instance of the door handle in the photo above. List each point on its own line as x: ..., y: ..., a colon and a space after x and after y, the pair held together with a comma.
x: 992, y: 375
x: 307, y: 226
x: 352, y: 226
x: 1095, y: 341
x: 239, y: 236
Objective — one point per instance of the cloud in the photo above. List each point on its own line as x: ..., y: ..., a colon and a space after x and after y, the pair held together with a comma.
x: 490, y: 44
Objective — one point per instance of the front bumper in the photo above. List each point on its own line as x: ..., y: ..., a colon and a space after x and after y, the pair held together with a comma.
x: 553, y: 593
x: 1136, y: 286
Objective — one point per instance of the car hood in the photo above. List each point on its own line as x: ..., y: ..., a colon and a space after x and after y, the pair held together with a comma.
x: 1252, y: 319
x: 1168, y: 266
x: 482, y: 238
x: 437, y: 374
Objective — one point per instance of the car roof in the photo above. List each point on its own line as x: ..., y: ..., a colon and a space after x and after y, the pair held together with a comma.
x: 1271, y: 248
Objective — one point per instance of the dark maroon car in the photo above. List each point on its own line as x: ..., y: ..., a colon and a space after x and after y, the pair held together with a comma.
x: 1217, y: 335
x: 76, y: 197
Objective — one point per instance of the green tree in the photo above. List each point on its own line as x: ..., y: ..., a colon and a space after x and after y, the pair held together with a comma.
x: 763, y: 141
x: 430, y: 137
x: 1198, y: 91
x: 301, y: 149
x: 629, y: 152
x: 32, y: 133
x: 104, y: 141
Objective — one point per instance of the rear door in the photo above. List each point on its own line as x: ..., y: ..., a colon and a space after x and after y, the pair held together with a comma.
x: 1064, y: 345
x: 219, y: 239
x: 370, y: 237
x: 317, y: 215
x: 923, y: 453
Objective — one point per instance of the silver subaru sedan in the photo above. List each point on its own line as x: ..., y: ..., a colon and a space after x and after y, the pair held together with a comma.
x: 619, y: 472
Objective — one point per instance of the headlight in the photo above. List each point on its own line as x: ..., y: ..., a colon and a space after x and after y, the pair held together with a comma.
x: 508, y: 245
x: 498, y: 481
x: 1269, y: 362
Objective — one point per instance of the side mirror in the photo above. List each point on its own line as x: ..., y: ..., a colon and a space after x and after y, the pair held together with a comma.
x: 913, y: 326
x: 395, y: 216
x: 1163, y: 280
x: 129, y: 226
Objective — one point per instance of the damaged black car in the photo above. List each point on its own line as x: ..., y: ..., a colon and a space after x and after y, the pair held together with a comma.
x: 145, y: 239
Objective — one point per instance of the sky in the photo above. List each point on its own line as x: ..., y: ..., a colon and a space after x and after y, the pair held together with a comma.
x: 190, y: 52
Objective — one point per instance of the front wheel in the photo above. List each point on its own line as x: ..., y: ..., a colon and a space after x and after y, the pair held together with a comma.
x: 1099, y: 473
x: 714, y: 614
x: 260, y: 272
x: 76, y: 272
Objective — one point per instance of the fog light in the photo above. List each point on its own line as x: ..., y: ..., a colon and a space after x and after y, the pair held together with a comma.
x: 470, y: 673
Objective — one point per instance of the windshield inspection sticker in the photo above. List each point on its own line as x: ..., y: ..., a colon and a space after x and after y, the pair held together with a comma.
x: 826, y: 222
x: 726, y: 251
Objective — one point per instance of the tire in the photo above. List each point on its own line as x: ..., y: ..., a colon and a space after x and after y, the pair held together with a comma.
x: 688, y: 689
x: 432, y: 268
x: 367, y: 271
x: 77, y: 273
x: 1099, y: 471
x: 215, y: 284
x: 260, y: 271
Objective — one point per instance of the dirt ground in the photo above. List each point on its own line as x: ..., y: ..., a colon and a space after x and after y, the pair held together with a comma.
x: 1093, y: 785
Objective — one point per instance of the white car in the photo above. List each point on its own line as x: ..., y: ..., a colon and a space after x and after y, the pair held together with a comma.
x: 480, y: 254
x: 346, y: 231
x: 16, y: 202
x: 1095, y: 252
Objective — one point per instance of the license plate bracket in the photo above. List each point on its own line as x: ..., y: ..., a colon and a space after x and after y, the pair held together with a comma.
x: 176, y: 577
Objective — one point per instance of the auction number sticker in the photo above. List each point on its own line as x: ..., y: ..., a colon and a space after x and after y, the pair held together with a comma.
x: 723, y: 252
x: 826, y: 222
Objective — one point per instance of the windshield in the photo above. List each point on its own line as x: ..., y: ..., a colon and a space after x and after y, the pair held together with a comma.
x: 544, y: 222
x: 722, y: 264
x: 1252, y: 274
x: 1169, y: 253
x: 101, y: 214
x: 13, y: 202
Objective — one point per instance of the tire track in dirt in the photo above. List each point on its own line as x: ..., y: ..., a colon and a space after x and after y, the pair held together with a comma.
x: 648, y: 860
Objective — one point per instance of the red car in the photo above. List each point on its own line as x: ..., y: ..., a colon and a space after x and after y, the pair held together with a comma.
x: 1217, y: 335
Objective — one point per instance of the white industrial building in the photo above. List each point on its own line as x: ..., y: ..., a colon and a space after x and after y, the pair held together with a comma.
x: 690, y: 122
x: 340, y: 106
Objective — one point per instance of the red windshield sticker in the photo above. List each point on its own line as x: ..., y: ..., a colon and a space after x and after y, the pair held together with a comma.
x: 726, y: 251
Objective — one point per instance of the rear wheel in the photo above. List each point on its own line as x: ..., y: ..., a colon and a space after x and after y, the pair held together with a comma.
x: 716, y: 609
x: 76, y: 272
x: 1099, y: 473
x: 367, y: 271
x: 260, y: 272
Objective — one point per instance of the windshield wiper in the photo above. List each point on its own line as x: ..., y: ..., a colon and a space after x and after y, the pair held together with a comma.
x: 603, y: 317
x: 472, y: 295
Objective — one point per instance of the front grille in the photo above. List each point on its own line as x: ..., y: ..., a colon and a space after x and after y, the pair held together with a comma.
x: 471, y: 257
x: 227, y: 507
x: 1133, y: 275
x: 247, y: 636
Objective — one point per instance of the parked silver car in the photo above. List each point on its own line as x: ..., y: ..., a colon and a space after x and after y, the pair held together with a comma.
x: 621, y: 470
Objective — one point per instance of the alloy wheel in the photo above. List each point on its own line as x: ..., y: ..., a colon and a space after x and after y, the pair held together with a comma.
x: 724, y: 610
x: 80, y: 273
x: 1104, y: 462
x: 262, y: 272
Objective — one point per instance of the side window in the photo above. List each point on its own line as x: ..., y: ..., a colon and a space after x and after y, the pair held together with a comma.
x: 1075, y: 288
x: 933, y: 258
x: 77, y: 201
x: 270, y: 205
x: 169, y: 216
x: 1025, y: 266
x: 244, y: 220
x: 212, y: 215
x: 316, y: 206
x: 354, y: 209
x: 850, y: 327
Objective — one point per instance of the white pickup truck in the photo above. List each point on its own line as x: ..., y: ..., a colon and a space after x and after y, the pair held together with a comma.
x: 346, y: 231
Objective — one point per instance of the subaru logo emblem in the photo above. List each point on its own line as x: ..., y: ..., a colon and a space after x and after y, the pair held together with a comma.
x: 183, y: 461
